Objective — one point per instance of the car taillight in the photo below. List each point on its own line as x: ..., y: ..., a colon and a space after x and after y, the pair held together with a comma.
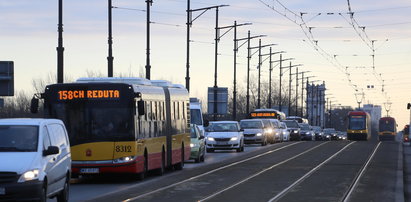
x: 406, y: 139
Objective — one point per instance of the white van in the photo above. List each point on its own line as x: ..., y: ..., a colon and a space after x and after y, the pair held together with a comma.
x: 196, y: 114
x: 35, y: 160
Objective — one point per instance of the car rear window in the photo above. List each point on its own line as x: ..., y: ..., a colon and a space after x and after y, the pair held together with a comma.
x: 251, y: 124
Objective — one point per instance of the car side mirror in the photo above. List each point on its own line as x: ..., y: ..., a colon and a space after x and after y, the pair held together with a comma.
x: 206, y: 122
x: 201, y: 137
x: 141, y: 108
x: 51, y: 150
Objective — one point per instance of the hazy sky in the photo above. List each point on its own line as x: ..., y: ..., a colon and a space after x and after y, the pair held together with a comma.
x: 28, y: 37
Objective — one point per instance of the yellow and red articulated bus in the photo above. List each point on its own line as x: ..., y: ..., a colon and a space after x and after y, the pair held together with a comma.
x: 387, y: 128
x: 122, y: 125
x: 359, y: 125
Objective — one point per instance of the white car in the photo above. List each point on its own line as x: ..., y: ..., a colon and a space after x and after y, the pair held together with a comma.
x: 224, y: 135
x: 36, y: 159
x: 278, y: 132
x: 285, y: 132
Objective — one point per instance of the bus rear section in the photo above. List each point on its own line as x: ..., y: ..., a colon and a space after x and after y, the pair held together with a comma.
x: 387, y: 128
x: 359, y: 126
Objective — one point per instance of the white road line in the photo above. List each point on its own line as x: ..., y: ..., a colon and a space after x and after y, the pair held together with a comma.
x: 259, y: 173
x: 209, y: 172
x: 361, y: 173
x: 282, y: 193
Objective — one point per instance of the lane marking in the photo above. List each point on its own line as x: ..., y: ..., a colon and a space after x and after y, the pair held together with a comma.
x: 345, y: 199
x: 259, y: 173
x: 209, y: 172
x: 282, y: 193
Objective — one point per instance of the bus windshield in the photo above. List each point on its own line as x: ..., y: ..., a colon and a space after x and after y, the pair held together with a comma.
x: 357, y: 123
x: 95, y: 122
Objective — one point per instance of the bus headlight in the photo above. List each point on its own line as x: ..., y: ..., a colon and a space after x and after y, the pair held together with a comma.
x: 124, y: 159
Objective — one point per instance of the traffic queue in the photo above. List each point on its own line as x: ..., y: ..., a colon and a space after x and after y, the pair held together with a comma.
x: 261, y: 127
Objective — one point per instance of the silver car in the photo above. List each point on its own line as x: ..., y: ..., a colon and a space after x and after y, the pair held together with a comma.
x: 254, y: 131
x: 224, y: 135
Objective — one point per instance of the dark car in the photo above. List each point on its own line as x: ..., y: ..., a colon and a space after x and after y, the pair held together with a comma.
x: 294, y: 129
x: 330, y: 134
x: 306, y: 132
x: 319, y: 135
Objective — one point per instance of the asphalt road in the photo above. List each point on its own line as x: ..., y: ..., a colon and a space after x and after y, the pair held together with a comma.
x: 292, y: 171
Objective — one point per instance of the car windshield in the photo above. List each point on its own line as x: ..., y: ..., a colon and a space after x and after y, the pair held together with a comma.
x: 15, y: 138
x: 329, y: 131
x: 224, y: 127
x: 251, y: 124
x: 291, y: 124
x: 305, y: 127
x: 317, y: 129
x: 193, y: 132
x: 195, y: 117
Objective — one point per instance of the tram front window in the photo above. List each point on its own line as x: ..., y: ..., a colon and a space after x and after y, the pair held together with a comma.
x: 95, y: 122
x: 386, y: 126
x: 357, y: 123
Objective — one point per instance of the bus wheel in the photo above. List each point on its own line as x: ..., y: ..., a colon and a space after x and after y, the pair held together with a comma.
x: 162, y: 168
x: 143, y: 174
x: 180, y: 166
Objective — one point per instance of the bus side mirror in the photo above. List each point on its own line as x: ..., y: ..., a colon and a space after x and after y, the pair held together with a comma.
x: 34, y: 107
x: 408, y: 105
x: 140, y: 108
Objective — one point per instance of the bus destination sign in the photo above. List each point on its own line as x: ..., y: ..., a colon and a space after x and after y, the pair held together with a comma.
x: 88, y: 94
x: 263, y: 114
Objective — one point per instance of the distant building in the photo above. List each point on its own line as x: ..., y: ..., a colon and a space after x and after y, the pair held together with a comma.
x: 375, y: 113
x: 316, y: 104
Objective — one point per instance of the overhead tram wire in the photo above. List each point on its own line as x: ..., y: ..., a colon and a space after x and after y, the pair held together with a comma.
x: 312, y: 41
x: 370, y: 43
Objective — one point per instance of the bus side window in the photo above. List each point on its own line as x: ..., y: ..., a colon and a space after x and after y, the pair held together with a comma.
x: 146, y: 107
x: 174, y: 110
x: 184, y: 110
x: 178, y: 110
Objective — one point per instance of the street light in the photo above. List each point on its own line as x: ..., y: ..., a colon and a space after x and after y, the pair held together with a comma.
x: 189, y: 23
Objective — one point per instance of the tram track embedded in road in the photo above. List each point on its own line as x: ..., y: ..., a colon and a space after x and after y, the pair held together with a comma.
x: 294, y: 184
x: 259, y: 173
x: 209, y: 172
x: 359, y: 174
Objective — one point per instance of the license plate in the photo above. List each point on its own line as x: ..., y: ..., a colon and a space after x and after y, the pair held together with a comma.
x: 89, y: 170
x: 221, y: 143
x: 2, y: 191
